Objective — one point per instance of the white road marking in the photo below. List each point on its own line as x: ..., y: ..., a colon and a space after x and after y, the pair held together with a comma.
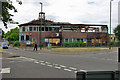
x: 62, y: 66
x: 83, y: 70
x: 55, y: 64
x: 49, y: 65
x: 36, y: 62
x: 42, y: 63
x: 57, y: 67
x: 5, y: 70
x: 72, y: 68
x: 68, y: 70
x: 75, y: 71
x: 47, y: 62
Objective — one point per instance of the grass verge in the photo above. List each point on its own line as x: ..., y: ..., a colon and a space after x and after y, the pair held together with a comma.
x: 75, y: 50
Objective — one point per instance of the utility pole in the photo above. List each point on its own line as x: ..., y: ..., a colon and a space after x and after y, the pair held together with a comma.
x: 41, y: 28
x: 110, y: 23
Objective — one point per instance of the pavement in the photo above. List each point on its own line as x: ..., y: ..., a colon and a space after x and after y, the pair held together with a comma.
x: 19, y: 63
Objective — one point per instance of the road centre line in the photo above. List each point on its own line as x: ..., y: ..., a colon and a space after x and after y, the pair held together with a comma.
x: 75, y: 71
x: 36, y: 62
x: 57, y: 67
x: 68, y: 70
x: 72, y: 68
x: 50, y: 65
x: 47, y: 62
x: 42, y: 63
x: 83, y: 70
x: 62, y: 66
x: 55, y: 64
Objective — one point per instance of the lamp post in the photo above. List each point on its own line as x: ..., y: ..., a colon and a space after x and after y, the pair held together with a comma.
x: 41, y: 27
x: 110, y: 23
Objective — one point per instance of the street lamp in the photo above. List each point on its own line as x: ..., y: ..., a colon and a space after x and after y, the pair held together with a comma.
x: 110, y: 23
x: 41, y: 27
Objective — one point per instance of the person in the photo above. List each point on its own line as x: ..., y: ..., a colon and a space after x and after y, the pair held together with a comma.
x: 35, y: 46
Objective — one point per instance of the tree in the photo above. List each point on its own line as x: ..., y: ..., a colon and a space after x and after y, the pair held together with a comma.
x: 6, y: 16
x: 3, y: 33
x: 117, y: 32
x: 12, y: 35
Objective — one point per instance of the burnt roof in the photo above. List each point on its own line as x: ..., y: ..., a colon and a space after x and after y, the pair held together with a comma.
x: 38, y: 22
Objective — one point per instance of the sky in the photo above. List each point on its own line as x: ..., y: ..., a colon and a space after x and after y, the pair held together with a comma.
x: 72, y: 11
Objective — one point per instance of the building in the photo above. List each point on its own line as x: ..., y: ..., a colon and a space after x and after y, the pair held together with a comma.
x: 60, y: 32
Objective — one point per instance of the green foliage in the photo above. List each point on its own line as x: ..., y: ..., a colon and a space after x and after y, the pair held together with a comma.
x: 12, y: 35
x: 3, y: 33
x: 117, y: 32
x: 74, y: 44
x: 16, y: 43
x: 115, y: 44
x: 7, y: 17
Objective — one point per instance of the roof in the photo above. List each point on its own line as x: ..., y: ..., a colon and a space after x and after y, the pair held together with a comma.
x: 38, y: 22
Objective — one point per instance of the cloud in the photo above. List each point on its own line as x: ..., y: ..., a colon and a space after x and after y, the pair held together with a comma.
x: 73, y: 11
x: 91, y: 3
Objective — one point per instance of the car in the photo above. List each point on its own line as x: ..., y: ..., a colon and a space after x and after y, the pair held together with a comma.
x: 4, y: 45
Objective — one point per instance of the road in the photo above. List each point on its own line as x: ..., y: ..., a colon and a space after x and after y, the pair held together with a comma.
x: 32, y: 64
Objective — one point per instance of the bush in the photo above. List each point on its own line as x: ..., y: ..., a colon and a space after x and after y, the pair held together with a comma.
x: 74, y: 44
x: 115, y: 44
x: 16, y: 43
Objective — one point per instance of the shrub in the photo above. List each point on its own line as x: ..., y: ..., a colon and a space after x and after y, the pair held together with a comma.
x: 74, y: 44
x: 16, y: 43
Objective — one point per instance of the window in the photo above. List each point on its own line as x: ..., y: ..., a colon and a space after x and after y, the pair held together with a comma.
x: 34, y: 28
x: 37, y: 28
x: 30, y: 28
x: 27, y: 37
x: 70, y: 39
x: 50, y: 29
x: 78, y: 39
x: 42, y: 28
x: 22, y: 38
x: 66, y: 40
x: 82, y: 40
x: 23, y: 29
x: 46, y: 28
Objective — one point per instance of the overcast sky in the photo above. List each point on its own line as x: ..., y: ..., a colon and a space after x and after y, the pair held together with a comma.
x: 73, y: 11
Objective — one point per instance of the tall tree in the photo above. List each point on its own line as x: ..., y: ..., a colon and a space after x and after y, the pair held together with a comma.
x: 13, y: 34
x: 117, y: 32
x: 6, y: 16
x: 3, y: 33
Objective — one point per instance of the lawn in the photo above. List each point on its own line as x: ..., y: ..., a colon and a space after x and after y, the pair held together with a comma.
x: 75, y: 50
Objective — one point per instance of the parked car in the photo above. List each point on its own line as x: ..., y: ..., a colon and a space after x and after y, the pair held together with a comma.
x: 4, y: 45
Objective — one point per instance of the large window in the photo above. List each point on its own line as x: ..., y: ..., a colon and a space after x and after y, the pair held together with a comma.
x: 46, y: 28
x: 22, y: 38
x: 34, y: 28
x: 78, y: 39
x: 37, y: 28
x: 50, y: 29
x: 27, y: 37
x: 42, y: 28
x: 23, y: 29
x: 66, y: 40
x: 30, y: 28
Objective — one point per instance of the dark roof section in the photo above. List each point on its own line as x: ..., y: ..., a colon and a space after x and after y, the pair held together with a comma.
x: 38, y: 22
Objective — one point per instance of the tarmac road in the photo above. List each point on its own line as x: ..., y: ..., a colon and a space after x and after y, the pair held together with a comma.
x: 38, y: 64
